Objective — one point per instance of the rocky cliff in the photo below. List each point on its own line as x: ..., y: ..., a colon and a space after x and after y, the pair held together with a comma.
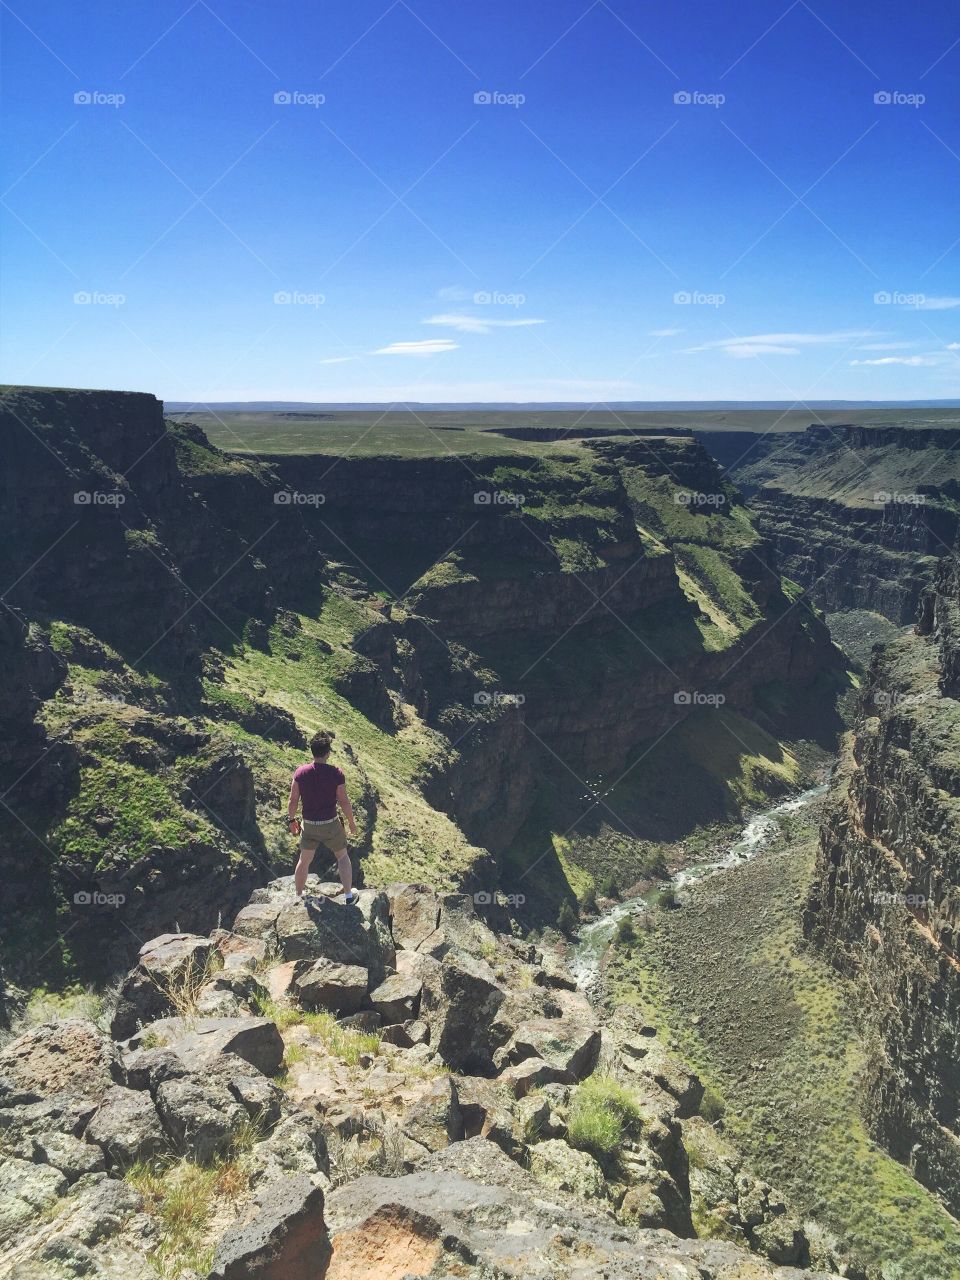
x: 885, y: 903
x: 385, y: 1090
x: 858, y: 515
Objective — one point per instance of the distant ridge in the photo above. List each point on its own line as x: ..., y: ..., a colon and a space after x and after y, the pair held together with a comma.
x: 281, y: 406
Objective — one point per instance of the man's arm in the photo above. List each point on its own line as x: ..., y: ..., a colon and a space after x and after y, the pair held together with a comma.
x: 343, y: 800
x: 293, y: 803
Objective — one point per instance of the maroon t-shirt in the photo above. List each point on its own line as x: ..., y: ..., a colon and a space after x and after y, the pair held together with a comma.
x: 318, y: 790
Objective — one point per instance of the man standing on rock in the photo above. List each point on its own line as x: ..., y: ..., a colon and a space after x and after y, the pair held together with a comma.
x: 321, y: 787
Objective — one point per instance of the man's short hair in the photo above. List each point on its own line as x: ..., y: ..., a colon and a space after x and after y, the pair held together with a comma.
x: 321, y: 742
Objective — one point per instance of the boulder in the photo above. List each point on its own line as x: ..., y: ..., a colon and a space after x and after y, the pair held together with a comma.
x: 26, y: 1189
x: 460, y: 998
x: 258, y: 920
x: 72, y: 1157
x: 63, y: 1113
x: 127, y: 1128
x: 414, y: 914
x: 201, y: 1117
x: 260, y: 1098
x: 323, y: 930
x: 167, y: 964
x: 97, y: 1206
x: 63, y: 1057
x: 406, y: 1035
x: 565, y: 1169
x: 570, y: 1043
x: 327, y: 984
x: 531, y: 1073
x: 781, y: 1239
x: 642, y: 1207
x: 148, y: 1068
x: 285, y: 1239
x: 374, y: 907
x: 368, y: 1022
x: 433, y: 1119
x: 397, y: 998
x: 198, y: 1042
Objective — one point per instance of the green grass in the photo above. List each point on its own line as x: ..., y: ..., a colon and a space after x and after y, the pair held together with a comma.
x: 603, y: 1114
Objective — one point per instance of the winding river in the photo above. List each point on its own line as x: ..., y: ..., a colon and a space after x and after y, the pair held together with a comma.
x: 594, y: 938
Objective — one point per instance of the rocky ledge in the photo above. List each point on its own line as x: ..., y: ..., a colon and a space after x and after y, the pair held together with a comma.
x: 382, y: 1090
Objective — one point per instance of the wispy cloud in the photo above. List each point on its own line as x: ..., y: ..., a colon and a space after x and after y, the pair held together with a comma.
x: 425, y: 347
x: 455, y: 293
x: 339, y: 359
x: 478, y: 324
x: 663, y: 333
x: 777, y: 344
x: 938, y: 304
x: 885, y: 346
x: 953, y: 346
x: 908, y: 360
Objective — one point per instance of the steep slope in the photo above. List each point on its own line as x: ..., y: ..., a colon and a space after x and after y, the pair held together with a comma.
x: 857, y: 515
x: 886, y: 906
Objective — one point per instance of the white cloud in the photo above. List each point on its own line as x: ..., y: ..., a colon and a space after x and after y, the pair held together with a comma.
x: 777, y: 344
x: 339, y: 359
x: 885, y: 346
x: 953, y: 346
x: 477, y: 324
x: 938, y: 304
x: 425, y: 347
x: 455, y: 293
x: 664, y: 333
x: 908, y: 360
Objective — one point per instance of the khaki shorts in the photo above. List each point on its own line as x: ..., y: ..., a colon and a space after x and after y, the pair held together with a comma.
x: 330, y: 834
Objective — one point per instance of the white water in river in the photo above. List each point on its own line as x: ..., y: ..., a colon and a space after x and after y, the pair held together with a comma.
x: 595, y: 937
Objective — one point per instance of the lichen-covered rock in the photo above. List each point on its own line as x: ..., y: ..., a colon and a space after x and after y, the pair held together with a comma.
x: 565, y: 1169
x: 199, y: 1042
x: 397, y: 998
x: 26, y: 1189
x: 201, y: 1117
x: 460, y: 998
x: 328, y: 984
x: 65, y: 1152
x: 127, y: 1128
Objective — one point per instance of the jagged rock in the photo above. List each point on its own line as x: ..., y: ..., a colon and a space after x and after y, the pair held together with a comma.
x: 367, y: 1022
x: 97, y: 1206
x: 531, y: 1073
x: 286, y: 1239
x: 165, y: 964
x: 239, y: 952
x: 570, y: 1044
x: 62, y: 1113
x: 258, y: 920
x: 781, y: 1239
x: 414, y: 914
x: 148, y: 1068
x: 261, y: 1098
x: 397, y: 998
x: 327, y: 984
x: 65, y: 1152
x: 323, y: 930
x: 230, y: 993
x: 641, y: 1206
x: 459, y: 928
x: 374, y: 907
x: 67, y: 1056
x: 200, y: 1117
x: 296, y: 1146
x: 25, y: 1190
x: 434, y: 1118
x: 460, y: 999
x: 471, y: 1211
x: 127, y: 1128
x: 565, y: 1169
x: 198, y: 1042
x: 406, y: 1035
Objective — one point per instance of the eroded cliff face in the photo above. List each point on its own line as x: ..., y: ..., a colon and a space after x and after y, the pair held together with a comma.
x: 857, y: 515
x: 886, y: 904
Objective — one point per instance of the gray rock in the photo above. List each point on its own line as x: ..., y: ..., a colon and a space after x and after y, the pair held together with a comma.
x: 65, y: 1152
x: 323, y: 930
x: 127, y: 1128
x: 433, y: 1119
x: 565, y: 1169
x: 26, y: 1189
x: 98, y: 1206
x: 570, y: 1044
x: 70, y: 1055
x: 296, y: 1146
x: 258, y: 920
x: 367, y: 1022
x: 166, y: 964
x: 397, y: 998
x: 63, y: 1113
x: 285, y: 1240
x: 260, y: 1098
x: 460, y: 998
x: 200, y: 1118
x: 414, y: 914
x: 148, y: 1068
x: 327, y: 984
x: 198, y: 1042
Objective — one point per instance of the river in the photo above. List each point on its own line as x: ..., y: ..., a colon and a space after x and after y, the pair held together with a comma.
x: 758, y: 833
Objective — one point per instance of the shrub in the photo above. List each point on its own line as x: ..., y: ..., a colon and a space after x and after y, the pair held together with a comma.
x: 607, y: 886
x: 712, y: 1107
x: 626, y: 931
x: 603, y: 1113
x: 588, y: 900
x: 566, y: 917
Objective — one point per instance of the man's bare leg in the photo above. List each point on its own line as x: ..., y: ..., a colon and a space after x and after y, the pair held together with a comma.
x: 345, y: 870
x: 302, y: 871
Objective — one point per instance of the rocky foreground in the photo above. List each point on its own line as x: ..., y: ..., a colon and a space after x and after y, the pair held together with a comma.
x: 379, y: 1091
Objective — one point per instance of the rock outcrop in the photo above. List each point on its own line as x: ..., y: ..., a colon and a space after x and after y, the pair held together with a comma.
x: 885, y: 903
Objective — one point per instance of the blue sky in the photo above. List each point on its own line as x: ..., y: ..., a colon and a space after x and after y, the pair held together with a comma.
x: 514, y: 200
